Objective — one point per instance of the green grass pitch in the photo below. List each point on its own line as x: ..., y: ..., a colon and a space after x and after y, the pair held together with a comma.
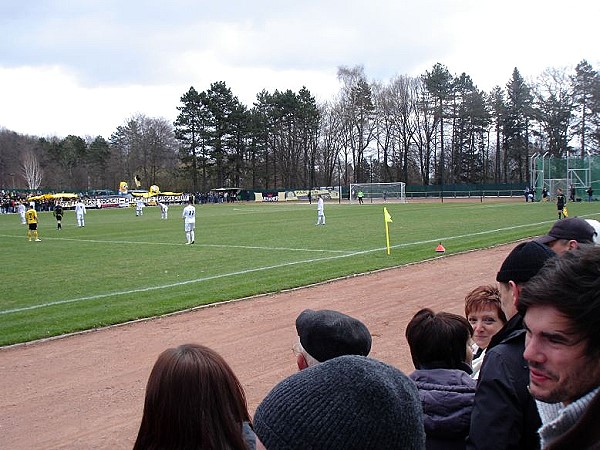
x: 120, y: 267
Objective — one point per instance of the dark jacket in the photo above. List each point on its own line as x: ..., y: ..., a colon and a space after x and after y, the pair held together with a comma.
x: 447, y: 396
x: 585, y: 434
x: 505, y: 414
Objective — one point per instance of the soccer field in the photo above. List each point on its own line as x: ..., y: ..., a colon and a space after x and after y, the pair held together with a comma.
x: 120, y: 267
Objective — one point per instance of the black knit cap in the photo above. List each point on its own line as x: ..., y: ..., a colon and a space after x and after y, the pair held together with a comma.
x: 523, y: 262
x: 350, y: 402
x: 571, y: 228
x: 326, y: 334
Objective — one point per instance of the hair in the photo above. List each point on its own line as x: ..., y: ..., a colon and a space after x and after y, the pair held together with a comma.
x: 193, y: 400
x: 482, y: 297
x: 438, y: 340
x: 571, y: 284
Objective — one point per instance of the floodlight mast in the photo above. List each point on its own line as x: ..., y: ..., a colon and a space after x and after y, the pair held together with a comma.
x: 339, y: 180
x: 569, y: 181
x: 371, y: 159
x: 532, y: 171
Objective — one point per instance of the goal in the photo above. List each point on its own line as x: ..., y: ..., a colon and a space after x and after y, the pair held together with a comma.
x: 378, y: 192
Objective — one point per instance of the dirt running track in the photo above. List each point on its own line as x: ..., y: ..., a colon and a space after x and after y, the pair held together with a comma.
x: 86, y: 391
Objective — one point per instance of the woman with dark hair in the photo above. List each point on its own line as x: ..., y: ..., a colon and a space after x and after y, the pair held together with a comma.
x: 483, y: 310
x: 440, y: 350
x: 194, y: 401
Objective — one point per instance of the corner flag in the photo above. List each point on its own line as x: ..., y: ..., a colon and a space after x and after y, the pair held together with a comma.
x: 386, y: 215
x: 387, y: 219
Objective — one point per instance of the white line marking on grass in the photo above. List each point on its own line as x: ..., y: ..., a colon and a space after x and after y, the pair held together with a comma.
x: 258, y: 269
x: 249, y: 247
x: 98, y: 241
x: 478, y: 233
x: 274, y: 210
x: 180, y: 283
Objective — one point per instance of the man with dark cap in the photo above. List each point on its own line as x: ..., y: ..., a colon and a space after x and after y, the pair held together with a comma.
x: 567, y: 234
x: 326, y: 334
x: 350, y: 402
x: 504, y: 414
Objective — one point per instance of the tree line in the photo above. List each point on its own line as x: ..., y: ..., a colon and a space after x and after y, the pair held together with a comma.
x: 436, y: 128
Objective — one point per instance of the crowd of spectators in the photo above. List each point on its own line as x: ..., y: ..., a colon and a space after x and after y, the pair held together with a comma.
x: 9, y: 201
x: 538, y: 386
x: 217, y: 197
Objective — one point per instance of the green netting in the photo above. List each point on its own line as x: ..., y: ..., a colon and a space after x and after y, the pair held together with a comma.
x: 553, y: 173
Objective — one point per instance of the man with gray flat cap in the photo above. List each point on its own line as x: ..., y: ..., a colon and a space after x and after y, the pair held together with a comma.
x: 567, y: 234
x: 327, y: 334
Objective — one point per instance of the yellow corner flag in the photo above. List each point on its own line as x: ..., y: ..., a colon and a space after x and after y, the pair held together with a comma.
x: 386, y: 215
x: 387, y: 219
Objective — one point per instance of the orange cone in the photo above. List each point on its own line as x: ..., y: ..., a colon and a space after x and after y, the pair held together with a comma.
x: 440, y: 248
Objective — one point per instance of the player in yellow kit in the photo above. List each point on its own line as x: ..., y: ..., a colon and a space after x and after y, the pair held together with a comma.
x: 32, y: 222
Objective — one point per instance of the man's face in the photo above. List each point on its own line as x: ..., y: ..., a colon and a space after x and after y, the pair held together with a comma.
x: 507, y: 299
x: 559, y: 369
x: 562, y: 246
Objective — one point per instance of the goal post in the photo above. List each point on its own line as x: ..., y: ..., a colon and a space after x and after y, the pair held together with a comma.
x: 378, y: 192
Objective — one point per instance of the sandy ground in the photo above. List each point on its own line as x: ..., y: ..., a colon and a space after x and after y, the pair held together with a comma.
x: 86, y: 391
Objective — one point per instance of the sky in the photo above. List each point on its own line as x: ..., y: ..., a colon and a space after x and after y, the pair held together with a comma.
x: 84, y: 67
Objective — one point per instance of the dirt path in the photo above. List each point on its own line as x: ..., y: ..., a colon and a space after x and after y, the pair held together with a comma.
x: 87, y: 390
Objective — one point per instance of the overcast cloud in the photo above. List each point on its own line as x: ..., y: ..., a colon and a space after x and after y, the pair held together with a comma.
x: 84, y: 67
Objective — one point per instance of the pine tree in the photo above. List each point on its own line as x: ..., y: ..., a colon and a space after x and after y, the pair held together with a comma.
x: 439, y: 83
x: 586, y: 88
x: 516, y: 127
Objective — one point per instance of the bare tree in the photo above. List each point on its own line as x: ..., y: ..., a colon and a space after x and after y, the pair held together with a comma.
x: 356, y: 99
x: 331, y: 143
x: 426, y: 121
x: 396, y: 107
x: 553, y: 103
x: 31, y: 170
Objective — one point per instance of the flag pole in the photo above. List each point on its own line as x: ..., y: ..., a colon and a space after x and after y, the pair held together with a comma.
x: 387, y: 219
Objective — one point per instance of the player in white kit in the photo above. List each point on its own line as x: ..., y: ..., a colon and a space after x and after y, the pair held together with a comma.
x: 139, y: 207
x: 320, y: 211
x: 164, y: 210
x: 189, y: 220
x: 80, y: 213
x: 21, y: 209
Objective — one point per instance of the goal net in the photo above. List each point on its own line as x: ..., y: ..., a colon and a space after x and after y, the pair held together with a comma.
x: 378, y: 192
